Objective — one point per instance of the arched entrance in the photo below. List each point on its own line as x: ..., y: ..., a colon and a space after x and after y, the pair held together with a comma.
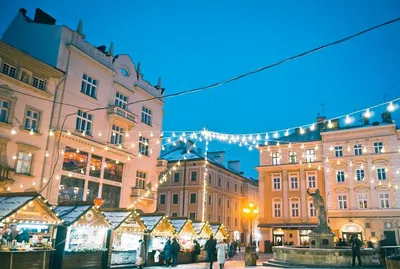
x: 278, y: 237
x: 347, y: 230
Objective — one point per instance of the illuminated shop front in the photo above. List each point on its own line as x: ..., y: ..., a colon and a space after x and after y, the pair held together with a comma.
x: 84, y: 239
x: 203, y: 231
x: 185, y: 235
x: 219, y: 231
x: 128, y: 229
x: 27, y: 228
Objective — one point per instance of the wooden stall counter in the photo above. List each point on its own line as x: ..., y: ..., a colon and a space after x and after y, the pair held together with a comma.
x: 73, y: 260
x: 35, y: 259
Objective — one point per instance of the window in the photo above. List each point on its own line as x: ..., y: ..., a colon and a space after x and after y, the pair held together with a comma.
x: 193, y: 176
x: 4, y: 110
x: 227, y: 185
x: 75, y: 160
x: 89, y: 86
x: 146, y: 115
x: 84, y: 122
x: 358, y: 149
x: 92, y: 191
x: 38, y: 83
x: 311, y: 209
x: 228, y: 203
x: 276, y: 183
x: 31, y: 120
x: 71, y: 189
x: 219, y: 201
x: 113, y: 170
x: 9, y: 70
x: 162, y: 199
x: 378, y: 146
x: 175, y: 198
x: 383, y: 200
x: 292, y: 157
x: 342, y: 201
x: 110, y: 195
x: 277, y: 210
x: 312, y: 181
x: 193, y: 198
x: 338, y: 151
x: 117, y: 135
x: 95, y: 166
x: 275, y: 158
x: 140, y: 180
x: 236, y: 222
x: 192, y: 216
x: 24, y: 162
x: 121, y: 100
x: 176, y: 177
x: 174, y: 214
x: 294, y: 209
x: 241, y: 189
x: 144, y: 145
x: 362, y: 200
x: 219, y: 182
x: 381, y: 173
x: 236, y: 187
x: 294, y: 183
x: 310, y: 155
x: 209, y: 179
x: 360, y: 174
x: 340, y: 176
x: 209, y: 217
x: 209, y: 199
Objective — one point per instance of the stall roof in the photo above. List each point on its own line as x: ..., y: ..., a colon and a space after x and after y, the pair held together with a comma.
x: 215, y: 227
x: 151, y: 221
x: 198, y: 226
x: 178, y: 223
x: 10, y: 204
x: 70, y: 214
x: 117, y: 217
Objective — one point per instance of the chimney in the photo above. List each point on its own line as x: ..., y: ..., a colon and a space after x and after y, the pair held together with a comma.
x: 218, y: 156
x: 23, y: 11
x: 43, y: 17
x: 234, y: 165
x: 366, y: 120
x: 387, y: 117
x: 199, y: 150
x: 321, y: 119
x: 102, y: 48
x: 320, y: 122
x: 79, y: 29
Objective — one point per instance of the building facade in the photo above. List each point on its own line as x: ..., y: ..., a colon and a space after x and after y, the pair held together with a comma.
x: 227, y: 192
x: 102, y: 143
x: 27, y: 89
x: 362, y: 180
x: 289, y: 167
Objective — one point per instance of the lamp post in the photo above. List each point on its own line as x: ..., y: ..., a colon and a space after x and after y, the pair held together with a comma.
x: 251, y: 212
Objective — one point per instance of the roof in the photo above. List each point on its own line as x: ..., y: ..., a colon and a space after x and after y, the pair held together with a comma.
x: 198, y: 226
x: 377, y: 124
x: 178, y: 223
x: 151, y: 221
x: 11, y: 203
x: 215, y: 227
x: 297, y: 137
x: 116, y: 218
x: 70, y: 214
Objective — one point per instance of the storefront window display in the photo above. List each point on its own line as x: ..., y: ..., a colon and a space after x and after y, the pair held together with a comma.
x: 70, y: 189
x: 113, y: 170
x: 92, y: 191
x: 111, y: 196
x: 185, y: 232
x: 203, y: 231
x: 304, y: 237
x: 75, y: 160
x: 95, y: 166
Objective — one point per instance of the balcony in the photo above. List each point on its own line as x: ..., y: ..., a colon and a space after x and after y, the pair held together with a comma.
x: 6, y: 177
x: 121, y: 116
x: 137, y: 193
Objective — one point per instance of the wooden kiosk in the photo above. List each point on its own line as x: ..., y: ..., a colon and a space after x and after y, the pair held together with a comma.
x: 82, y: 241
x: 28, y: 225
x: 128, y: 229
x: 158, y: 229
x: 218, y: 231
x: 203, y: 231
x: 185, y: 234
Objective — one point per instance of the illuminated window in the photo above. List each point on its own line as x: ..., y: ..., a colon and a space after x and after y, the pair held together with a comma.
x: 24, y: 163
x: 310, y: 155
x: 292, y: 157
x: 71, y: 189
x: 141, y: 180
x: 276, y: 160
x: 113, y: 170
x: 342, y: 201
x: 362, y: 201
x: 95, y: 166
x: 277, y: 209
x: 75, y: 160
x: 117, y: 135
x: 383, y: 200
x: 144, y: 146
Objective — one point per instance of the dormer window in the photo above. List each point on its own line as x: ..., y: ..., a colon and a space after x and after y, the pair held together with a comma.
x: 38, y: 83
x: 9, y: 70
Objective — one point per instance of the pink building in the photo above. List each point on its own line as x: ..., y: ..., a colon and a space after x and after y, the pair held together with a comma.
x: 109, y: 148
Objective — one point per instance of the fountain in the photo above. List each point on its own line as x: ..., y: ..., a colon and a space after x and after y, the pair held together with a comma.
x: 322, y: 251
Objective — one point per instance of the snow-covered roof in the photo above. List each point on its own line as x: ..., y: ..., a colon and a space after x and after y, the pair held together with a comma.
x: 151, y: 221
x: 198, y: 226
x: 215, y: 227
x: 116, y: 217
x: 9, y: 204
x: 178, y: 224
x: 69, y: 214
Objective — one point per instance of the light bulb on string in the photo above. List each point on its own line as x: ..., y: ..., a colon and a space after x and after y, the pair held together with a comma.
x: 290, y: 145
x: 14, y: 157
x: 287, y: 132
x: 116, y: 161
x: 331, y: 148
x: 92, y: 149
x: 83, y: 133
x: 8, y: 188
x: 302, y: 146
x: 47, y: 154
x: 30, y: 154
x: 390, y: 107
x: 82, y: 172
x: 77, y: 150
x: 106, y: 148
x: 268, y: 148
x: 373, y: 167
x: 365, y: 149
x: 173, y: 134
x: 258, y: 137
x: 162, y: 148
x: 327, y: 160
x: 367, y: 114
x: 347, y: 120
x: 126, y: 134
x: 51, y: 133
x: 62, y: 152
x: 312, y: 127
x: 99, y: 133
x: 330, y: 125
x: 70, y: 174
x: 13, y: 132
x: 302, y: 130
x: 31, y: 132
x: 383, y: 149
x: 276, y: 135
x: 119, y: 146
x: 348, y: 148
x: 68, y: 132
x: 316, y: 147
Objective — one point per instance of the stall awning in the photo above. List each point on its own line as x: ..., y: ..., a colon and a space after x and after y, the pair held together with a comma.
x: 28, y: 207
x: 198, y: 226
x: 84, y: 215
x: 215, y: 227
x: 116, y: 218
x: 178, y: 223
x: 151, y: 222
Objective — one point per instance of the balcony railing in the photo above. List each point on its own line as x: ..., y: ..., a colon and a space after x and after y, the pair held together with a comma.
x: 136, y: 193
x: 121, y: 115
x: 162, y: 163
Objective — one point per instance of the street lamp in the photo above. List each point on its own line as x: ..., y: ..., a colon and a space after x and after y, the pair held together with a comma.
x: 251, y: 212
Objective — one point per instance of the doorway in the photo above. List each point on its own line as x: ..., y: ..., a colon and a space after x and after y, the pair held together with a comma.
x: 348, y: 235
x: 278, y: 240
x: 390, y: 238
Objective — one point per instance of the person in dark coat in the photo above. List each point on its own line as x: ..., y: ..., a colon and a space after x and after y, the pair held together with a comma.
x: 230, y: 250
x: 210, y: 249
x: 356, y: 250
x: 168, y: 253
x: 175, y: 250
x: 196, y: 251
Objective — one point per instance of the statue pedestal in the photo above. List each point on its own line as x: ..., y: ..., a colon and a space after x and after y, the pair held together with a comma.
x: 322, y: 240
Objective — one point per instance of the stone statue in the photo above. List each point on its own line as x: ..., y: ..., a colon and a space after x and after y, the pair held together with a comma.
x: 319, y: 206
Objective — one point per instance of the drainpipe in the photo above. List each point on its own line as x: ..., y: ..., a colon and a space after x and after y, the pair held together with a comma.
x: 184, y: 186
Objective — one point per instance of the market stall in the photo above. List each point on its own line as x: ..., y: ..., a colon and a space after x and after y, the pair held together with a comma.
x: 128, y: 229
x: 82, y: 241
x: 27, y: 228
x: 203, y: 231
x: 219, y: 231
x: 159, y: 230
x: 185, y: 234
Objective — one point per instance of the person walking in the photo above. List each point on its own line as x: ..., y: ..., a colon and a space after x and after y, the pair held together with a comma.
x: 175, y: 250
x: 196, y: 251
x: 356, y: 250
x: 221, y: 250
x: 140, y: 258
x: 168, y: 253
x: 230, y: 250
x: 210, y: 249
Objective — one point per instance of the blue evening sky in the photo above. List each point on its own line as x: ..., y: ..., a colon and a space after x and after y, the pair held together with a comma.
x: 195, y: 43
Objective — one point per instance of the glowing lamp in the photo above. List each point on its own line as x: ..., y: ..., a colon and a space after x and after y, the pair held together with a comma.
x: 98, y: 201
